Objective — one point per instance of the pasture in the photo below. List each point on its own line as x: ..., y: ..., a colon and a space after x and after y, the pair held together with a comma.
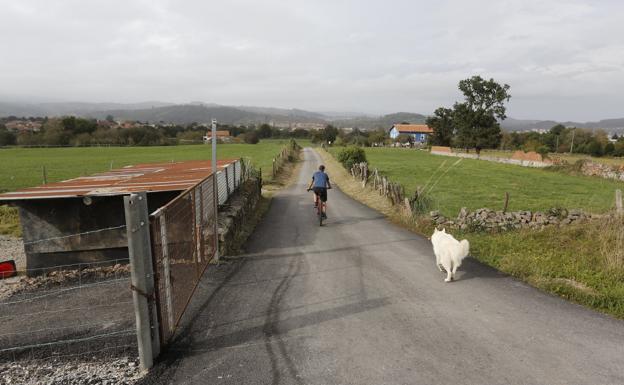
x: 23, y: 167
x: 475, y: 183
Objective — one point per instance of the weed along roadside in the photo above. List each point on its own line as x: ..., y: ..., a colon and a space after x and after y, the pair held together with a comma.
x: 575, y: 254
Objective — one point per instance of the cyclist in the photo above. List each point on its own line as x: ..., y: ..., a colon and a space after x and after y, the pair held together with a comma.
x: 320, y: 184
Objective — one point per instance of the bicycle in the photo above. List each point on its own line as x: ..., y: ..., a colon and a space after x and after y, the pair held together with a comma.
x: 319, y: 207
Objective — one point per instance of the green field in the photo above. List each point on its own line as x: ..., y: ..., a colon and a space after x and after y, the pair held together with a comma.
x: 22, y: 167
x: 476, y: 183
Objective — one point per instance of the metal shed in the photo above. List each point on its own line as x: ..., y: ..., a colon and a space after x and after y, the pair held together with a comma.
x: 81, y: 220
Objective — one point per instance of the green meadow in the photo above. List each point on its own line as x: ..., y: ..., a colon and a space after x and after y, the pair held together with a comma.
x: 452, y: 183
x: 23, y: 167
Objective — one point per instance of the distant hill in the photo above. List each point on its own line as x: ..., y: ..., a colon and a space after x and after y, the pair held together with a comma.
x: 68, y: 108
x: 385, y: 121
x: 527, y: 125
x: 199, y: 113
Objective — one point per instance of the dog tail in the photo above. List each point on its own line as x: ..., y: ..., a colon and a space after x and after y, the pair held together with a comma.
x: 464, y: 246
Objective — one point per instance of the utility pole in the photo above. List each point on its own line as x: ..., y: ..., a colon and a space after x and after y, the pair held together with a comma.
x: 572, y: 144
x: 215, y: 188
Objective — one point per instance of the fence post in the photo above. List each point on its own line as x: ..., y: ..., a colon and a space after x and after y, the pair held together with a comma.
x: 618, y: 202
x: 142, y: 278
x: 227, y: 181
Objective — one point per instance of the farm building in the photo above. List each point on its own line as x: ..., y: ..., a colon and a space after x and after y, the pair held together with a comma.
x: 82, y: 220
x: 419, y: 132
x: 223, y: 135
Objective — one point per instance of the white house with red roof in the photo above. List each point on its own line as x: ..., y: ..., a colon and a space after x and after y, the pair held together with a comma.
x: 419, y: 132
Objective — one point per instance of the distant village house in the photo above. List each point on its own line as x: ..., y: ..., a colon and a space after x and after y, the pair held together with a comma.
x: 23, y: 126
x: 419, y: 132
x: 222, y: 135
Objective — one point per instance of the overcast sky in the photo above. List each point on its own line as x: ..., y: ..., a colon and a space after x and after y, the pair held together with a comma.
x: 564, y: 59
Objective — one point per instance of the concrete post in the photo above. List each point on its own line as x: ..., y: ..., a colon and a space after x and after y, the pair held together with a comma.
x: 142, y: 278
x: 215, y: 189
x: 618, y: 202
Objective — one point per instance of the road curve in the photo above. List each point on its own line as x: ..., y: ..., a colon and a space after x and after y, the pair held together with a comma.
x: 360, y: 301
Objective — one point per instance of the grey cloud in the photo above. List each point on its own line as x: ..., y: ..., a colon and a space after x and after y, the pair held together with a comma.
x: 370, y: 56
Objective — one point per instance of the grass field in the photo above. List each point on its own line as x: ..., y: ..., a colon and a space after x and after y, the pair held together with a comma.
x: 475, y: 183
x: 22, y: 167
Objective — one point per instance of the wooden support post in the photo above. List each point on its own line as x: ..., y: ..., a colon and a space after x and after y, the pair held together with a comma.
x: 506, y: 202
x: 142, y: 278
x: 619, y: 209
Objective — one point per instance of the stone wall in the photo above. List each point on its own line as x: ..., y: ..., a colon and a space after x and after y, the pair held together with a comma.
x: 490, y: 220
x: 525, y: 161
x: 235, y: 215
x: 603, y: 170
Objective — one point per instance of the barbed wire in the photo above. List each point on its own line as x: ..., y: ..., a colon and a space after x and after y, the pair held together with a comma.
x: 71, y: 309
x: 60, y: 328
x: 74, y: 235
x: 56, y: 292
x: 74, y: 340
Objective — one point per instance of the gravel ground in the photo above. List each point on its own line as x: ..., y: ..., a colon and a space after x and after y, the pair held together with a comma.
x: 23, y: 284
x: 122, y: 371
x: 12, y: 248
x: 62, y: 371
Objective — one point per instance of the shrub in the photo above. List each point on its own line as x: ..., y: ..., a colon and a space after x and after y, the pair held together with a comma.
x: 609, y: 149
x: 348, y: 156
x: 543, y: 151
x: 251, y: 137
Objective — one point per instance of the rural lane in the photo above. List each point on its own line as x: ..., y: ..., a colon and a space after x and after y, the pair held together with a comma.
x: 360, y: 301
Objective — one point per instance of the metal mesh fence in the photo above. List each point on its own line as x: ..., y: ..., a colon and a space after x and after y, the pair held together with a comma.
x: 80, y: 310
x: 183, y: 235
x: 229, y: 178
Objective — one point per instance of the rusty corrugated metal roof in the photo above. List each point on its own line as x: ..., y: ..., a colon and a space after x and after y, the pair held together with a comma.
x: 150, y: 177
x: 413, y: 128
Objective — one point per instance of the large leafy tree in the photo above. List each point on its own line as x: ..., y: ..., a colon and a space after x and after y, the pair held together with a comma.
x: 443, y: 127
x: 476, y: 118
x: 329, y: 133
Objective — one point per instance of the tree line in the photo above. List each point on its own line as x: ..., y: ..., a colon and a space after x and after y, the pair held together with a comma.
x: 75, y: 131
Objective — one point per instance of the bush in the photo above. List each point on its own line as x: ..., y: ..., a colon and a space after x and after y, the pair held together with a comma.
x: 251, y: 137
x: 543, y: 151
x: 348, y: 156
x: 7, y: 138
x: 609, y: 149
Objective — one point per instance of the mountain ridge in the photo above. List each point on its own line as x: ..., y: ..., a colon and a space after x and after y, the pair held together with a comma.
x: 200, y: 112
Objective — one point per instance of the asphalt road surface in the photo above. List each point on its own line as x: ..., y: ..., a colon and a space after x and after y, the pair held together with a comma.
x: 360, y: 301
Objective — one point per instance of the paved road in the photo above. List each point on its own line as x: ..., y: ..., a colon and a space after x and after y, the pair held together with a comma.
x: 359, y: 301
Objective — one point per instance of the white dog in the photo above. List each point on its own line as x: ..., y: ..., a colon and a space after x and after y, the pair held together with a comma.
x: 449, y: 252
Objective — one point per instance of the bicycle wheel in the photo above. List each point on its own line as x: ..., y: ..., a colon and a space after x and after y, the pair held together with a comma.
x: 320, y: 216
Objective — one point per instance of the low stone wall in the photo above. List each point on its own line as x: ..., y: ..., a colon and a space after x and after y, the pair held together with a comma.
x: 518, y: 162
x: 490, y: 220
x: 603, y: 170
x: 235, y: 214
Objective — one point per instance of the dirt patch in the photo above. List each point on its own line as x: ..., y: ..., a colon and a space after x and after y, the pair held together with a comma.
x: 55, y: 372
x: 22, y: 284
x: 574, y: 284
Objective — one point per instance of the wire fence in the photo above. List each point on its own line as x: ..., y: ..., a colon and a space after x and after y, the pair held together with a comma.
x: 183, y: 236
x: 83, y: 309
